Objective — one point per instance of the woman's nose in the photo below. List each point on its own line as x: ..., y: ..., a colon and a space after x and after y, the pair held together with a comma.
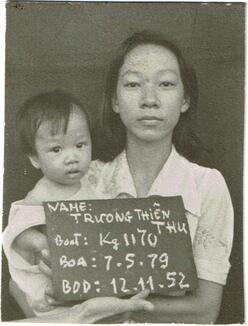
x: 149, y: 98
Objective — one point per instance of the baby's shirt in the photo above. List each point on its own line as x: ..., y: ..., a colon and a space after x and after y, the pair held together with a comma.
x: 27, y: 276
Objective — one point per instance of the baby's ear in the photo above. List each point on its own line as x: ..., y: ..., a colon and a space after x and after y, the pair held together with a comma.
x: 34, y: 161
x: 185, y: 105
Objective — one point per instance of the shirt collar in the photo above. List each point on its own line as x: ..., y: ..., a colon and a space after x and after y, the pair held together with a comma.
x: 175, y: 178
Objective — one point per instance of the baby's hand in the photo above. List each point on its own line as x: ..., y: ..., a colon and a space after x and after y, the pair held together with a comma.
x: 49, y: 296
x: 42, y: 259
x: 29, y: 243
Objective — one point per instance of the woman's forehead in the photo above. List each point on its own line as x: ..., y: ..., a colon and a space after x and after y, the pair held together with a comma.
x: 150, y: 56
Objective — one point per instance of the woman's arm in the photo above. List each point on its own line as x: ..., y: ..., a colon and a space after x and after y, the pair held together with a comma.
x: 96, y: 309
x: 201, y: 307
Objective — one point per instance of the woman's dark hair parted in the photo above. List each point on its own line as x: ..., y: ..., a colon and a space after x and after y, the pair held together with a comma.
x: 184, y: 138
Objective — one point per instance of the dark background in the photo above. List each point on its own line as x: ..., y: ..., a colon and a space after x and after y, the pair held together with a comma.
x: 69, y: 46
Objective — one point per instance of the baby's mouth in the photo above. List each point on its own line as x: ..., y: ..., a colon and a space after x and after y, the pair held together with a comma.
x: 73, y: 172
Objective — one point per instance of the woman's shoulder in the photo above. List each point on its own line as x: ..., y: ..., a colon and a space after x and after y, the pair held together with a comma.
x: 96, y: 166
x: 201, y: 173
x: 100, y: 176
x: 99, y: 168
x: 210, y: 185
x: 93, y: 173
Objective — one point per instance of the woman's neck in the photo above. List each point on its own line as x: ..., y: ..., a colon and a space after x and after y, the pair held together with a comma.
x: 145, y: 162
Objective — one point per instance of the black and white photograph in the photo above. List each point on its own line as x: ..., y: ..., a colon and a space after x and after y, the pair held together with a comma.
x: 123, y: 163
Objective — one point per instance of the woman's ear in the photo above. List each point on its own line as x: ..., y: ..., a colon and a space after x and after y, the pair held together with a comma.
x: 115, y: 105
x: 34, y: 161
x: 185, y: 105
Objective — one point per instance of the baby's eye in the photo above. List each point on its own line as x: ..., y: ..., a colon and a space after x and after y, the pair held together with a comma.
x: 80, y: 145
x: 56, y: 149
x: 166, y: 84
x: 132, y: 84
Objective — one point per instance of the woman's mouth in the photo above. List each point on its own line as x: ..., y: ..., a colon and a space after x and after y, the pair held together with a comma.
x: 150, y: 117
x: 150, y: 120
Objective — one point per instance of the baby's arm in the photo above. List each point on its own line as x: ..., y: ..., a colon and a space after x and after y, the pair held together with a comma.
x: 26, y: 219
x: 22, y: 242
x: 25, y: 272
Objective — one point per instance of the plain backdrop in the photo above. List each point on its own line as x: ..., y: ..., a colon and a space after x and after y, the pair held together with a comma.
x: 70, y: 45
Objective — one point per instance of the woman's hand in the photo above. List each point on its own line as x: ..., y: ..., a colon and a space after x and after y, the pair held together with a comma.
x: 104, y: 307
x: 96, y: 309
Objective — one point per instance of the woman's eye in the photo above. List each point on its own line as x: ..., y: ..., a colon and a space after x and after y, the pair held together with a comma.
x: 56, y: 149
x: 80, y: 145
x: 166, y: 84
x: 132, y: 84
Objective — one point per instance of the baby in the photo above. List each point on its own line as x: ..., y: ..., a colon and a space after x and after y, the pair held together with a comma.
x: 55, y: 136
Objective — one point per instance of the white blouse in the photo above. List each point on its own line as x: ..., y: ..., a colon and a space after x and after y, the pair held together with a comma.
x: 207, y: 203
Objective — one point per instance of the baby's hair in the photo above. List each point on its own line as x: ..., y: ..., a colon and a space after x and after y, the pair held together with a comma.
x: 54, y: 107
x: 184, y: 139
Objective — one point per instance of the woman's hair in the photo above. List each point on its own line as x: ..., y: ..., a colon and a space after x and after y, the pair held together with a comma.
x: 114, y: 131
x: 54, y: 107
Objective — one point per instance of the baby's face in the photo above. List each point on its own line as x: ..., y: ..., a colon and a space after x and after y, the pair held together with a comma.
x: 64, y: 158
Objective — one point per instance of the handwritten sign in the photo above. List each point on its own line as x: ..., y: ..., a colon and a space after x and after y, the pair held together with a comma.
x: 118, y: 247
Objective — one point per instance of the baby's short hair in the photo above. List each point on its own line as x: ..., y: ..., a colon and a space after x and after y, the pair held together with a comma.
x: 54, y: 107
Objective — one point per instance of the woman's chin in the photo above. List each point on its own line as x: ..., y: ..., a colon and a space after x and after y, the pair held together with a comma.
x: 151, y: 137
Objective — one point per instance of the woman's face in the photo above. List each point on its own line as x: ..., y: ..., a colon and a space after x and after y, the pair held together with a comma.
x: 150, y: 94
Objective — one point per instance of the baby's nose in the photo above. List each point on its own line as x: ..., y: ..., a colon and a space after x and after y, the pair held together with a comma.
x: 71, y: 158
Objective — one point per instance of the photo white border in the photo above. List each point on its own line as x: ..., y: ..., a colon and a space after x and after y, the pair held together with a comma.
x: 2, y: 109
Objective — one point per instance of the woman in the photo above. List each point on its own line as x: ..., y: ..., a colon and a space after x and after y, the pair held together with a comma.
x: 151, y: 98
